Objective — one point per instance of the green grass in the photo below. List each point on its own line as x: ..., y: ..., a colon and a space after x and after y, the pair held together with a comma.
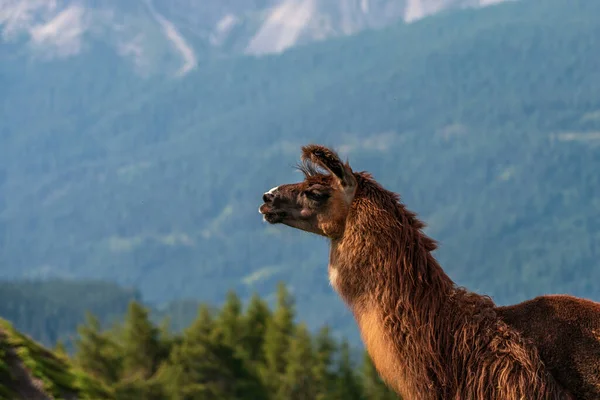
x: 58, y: 376
x: 6, y: 379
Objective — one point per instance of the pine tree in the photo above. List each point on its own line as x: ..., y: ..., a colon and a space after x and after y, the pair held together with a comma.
x: 166, y: 341
x: 325, y: 348
x: 372, y: 384
x: 60, y: 349
x: 203, y: 325
x: 347, y: 385
x: 243, y: 380
x: 183, y: 373
x: 204, y: 366
x: 141, y: 350
x: 140, y: 343
x: 229, y: 321
x: 254, y: 325
x: 278, y: 332
x: 196, y: 371
x: 97, y: 352
x: 299, y: 382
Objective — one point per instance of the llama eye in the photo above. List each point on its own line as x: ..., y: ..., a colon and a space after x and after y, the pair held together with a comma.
x: 313, y: 195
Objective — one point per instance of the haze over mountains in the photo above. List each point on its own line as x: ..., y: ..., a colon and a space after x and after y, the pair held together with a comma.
x: 486, y: 121
x: 175, y: 36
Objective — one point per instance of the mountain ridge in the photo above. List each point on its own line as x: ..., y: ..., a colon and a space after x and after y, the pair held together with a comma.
x: 173, y: 38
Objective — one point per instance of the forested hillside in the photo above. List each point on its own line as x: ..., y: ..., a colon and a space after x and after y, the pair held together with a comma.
x: 486, y: 121
x: 49, y: 311
x: 231, y: 352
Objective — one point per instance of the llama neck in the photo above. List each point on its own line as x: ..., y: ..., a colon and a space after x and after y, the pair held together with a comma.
x: 406, y: 306
x: 427, y: 338
x: 389, y: 261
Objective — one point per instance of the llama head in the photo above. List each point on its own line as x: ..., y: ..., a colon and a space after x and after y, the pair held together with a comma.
x: 321, y: 202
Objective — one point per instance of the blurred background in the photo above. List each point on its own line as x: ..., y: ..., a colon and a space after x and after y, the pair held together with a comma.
x: 137, y: 138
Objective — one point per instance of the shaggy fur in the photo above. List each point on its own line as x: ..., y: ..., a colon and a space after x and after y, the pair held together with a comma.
x: 566, y: 331
x: 428, y: 338
x: 448, y: 343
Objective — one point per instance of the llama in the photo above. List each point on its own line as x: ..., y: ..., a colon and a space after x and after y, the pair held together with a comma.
x: 428, y: 338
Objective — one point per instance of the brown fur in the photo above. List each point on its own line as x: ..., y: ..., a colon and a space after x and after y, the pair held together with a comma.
x: 428, y: 338
x: 566, y: 331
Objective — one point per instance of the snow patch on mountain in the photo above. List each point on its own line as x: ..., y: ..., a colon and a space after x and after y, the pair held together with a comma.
x: 417, y: 9
x: 58, y: 29
x: 134, y: 50
x: 293, y: 22
x: 62, y: 34
x: 167, y: 35
x: 364, y: 6
x: 223, y: 29
x: 17, y: 16
x: 186, y: 51
x: 490, y: 2
x: 282, y: 27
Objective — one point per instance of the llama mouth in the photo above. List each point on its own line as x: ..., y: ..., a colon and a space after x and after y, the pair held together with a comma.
x: 274, y: 217
x: 270, y: 215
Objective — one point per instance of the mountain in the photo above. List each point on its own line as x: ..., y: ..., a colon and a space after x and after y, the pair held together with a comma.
x: 176, y: 36
x: 485, y: 121
x: 29, y: 371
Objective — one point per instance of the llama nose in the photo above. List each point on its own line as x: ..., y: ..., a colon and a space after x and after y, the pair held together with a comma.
x: 268, y: 197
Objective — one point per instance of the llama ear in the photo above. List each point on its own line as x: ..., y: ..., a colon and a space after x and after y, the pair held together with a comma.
x: 329, y: 160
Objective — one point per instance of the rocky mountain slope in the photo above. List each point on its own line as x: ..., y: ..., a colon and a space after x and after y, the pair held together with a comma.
x: 28, y: 371
x: 175, y: 36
